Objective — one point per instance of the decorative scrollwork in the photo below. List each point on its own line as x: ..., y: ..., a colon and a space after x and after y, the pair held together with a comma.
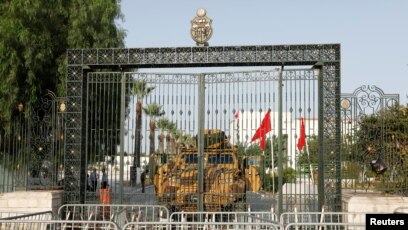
x: 198, y: 55
x: 75, y: 56
x: 90, y: 56
x: 45, y: 131
x: 371, y: 99
x: 105, y: 56
x: 121, y: 56
x: 168, y: 55
x: 136, y: 56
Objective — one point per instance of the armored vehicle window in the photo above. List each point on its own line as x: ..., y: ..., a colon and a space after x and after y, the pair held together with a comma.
x: 191, y: 159
x: 220, y: 159
x: 254, y: 162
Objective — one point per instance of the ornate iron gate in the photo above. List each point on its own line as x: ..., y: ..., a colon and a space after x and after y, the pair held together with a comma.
x: 32, y: 148
x: 235, y: 102
x: 324, y: 58
x: 373, y: 146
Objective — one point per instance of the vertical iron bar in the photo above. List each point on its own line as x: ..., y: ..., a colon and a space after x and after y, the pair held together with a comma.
x: 53, y: 154
x: 27, y: 149
x: 320, y: 171
x: 280, y: 152
x: 83, y: 180
x: 122, y: 134
x: 338, y: 205
x: 200, y: 135
x: 3, y: 167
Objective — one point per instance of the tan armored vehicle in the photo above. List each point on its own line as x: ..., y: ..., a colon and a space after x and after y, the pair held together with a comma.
x: 225, y: 181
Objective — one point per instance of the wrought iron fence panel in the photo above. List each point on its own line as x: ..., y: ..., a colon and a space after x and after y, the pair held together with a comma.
x: 14, y: 153
x: 32, y: 146
x: 373, y: 142
x: 47, y: 140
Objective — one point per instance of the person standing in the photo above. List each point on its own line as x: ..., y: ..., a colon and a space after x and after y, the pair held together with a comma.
x: 88, y: 183
x: 143, y: 179
x: 94, y: 180
x: 104, y: 182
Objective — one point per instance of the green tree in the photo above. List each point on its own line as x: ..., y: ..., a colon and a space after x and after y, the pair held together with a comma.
x: 385, y: 134
x: 176, y: 137
x: 170, y: 141
x: 312, y: 147
x: 162, y: 124
x: 274, y: 139
x: 166, y: 128
x: 34, y: 38
x: 153, y: 110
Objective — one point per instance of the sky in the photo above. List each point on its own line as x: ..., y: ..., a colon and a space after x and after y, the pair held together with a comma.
x: 373, y: 34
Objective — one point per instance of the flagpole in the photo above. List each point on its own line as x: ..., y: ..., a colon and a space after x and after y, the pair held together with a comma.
x: 310, y: 163
x: 261, y: 133
x: 237, y: 131
x: 301, y: 144
x: 235, y: 128
x: 273, y: 167
x: 263, y: 169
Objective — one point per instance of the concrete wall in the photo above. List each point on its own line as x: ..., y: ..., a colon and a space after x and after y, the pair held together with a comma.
x: 372, y: 202
x: 32, y: 201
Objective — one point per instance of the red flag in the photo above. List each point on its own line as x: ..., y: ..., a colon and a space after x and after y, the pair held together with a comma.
x: 263, y: 130
x: 236, y: 115
x: 302, y: 138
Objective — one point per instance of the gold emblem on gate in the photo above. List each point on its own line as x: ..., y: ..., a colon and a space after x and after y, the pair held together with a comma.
x: 201, y: 30
x: 345, y: 104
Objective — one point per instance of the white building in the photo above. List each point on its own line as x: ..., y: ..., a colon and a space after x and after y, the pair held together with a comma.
x: 244, y: 127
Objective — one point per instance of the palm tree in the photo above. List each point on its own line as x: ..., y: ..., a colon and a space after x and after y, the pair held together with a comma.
x: 188, y: 139
x: 171, y: 127
x: 141, y: 90
x: 176, y: 134
x: 153, y: 110
x: 162, y: 124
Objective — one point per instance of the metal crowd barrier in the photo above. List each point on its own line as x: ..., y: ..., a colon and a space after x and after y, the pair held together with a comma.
x: 228, y: 217
x: 117, y: 213
x: 318, y: 218
x: 199, y: 226
x: 56, y: 225
x: 7, y: 215
x: 325, y: 226
x: 10, y: 220
x: 98, y: 216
